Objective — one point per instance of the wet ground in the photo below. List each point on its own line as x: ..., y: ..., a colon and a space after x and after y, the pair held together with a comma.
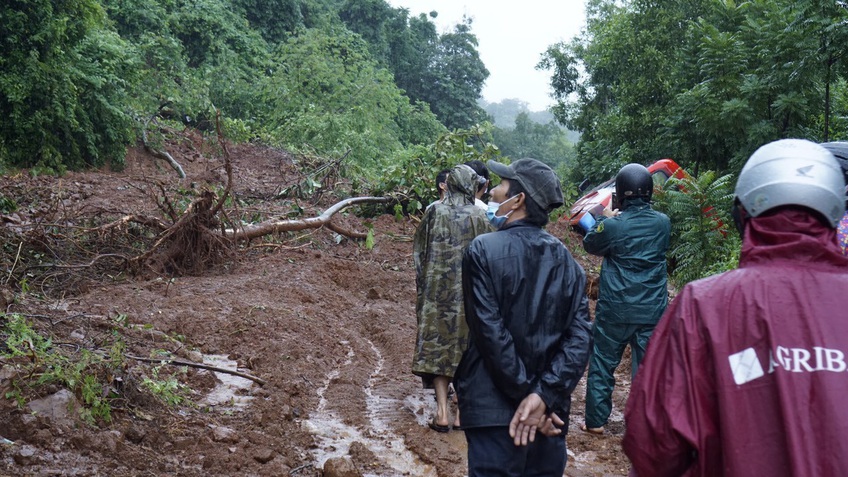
x: 328, y: 325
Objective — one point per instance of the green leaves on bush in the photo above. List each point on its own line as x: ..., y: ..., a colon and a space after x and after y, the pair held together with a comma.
x: 80, y: 79
x: 87, y: 375
x: 411, y: 177
x: 95, y: 377
x: 328, y: 96
x: 703, y: 242
x: 61, y: 86
x: 705, y: 82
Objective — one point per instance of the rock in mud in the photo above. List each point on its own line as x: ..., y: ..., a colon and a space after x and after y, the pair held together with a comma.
x: 340, y: 467
x: 224, y: 434
x: 263, y: 455
x: 56, y: 407
x: 135, y: 434
x: 6, y: 298
x: 26, y: 455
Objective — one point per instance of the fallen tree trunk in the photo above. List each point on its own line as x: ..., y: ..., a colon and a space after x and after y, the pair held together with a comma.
x: 267, y: 228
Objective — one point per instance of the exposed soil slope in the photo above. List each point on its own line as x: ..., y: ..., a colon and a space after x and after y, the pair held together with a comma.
x: 327, y: 324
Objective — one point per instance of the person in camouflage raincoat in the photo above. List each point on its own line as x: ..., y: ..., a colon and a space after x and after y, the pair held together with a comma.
x: 440, y: 240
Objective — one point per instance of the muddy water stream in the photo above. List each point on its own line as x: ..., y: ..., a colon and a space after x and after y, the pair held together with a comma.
x: 334, y: 437
x: 231, y: 392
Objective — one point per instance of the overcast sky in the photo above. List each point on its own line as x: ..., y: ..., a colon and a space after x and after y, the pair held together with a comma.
x: 512, y: 37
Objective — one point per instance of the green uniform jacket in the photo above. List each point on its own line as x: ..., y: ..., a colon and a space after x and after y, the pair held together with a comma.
x: 440, y: 240
x: 634, y: 276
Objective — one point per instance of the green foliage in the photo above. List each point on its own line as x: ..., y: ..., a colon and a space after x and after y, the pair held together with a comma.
x: 276, y: 20
x: 504, y: 113
x: 455, y: 80
x: 545, y: 142
x: 61, y: 86
x: 443, y: 71
x: 167, y: 389
x: 7, y: 205
x: 329, y: 97
x: 90, y: 375
x: 87, y: 375
x: 411, y: 177
x: 570, y: 190
x: 369, y: 239
x: 701, y: 81
x: 191, y: 56
x: 702, y: 241
x: 79, y: 80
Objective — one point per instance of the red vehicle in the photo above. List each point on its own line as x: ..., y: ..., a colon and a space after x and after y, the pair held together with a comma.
x: 601, y: 197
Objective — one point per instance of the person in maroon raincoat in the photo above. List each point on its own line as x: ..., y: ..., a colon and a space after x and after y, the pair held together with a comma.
x: 747, y: 371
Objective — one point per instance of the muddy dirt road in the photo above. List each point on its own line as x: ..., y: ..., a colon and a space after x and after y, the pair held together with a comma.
x: 327, y: 324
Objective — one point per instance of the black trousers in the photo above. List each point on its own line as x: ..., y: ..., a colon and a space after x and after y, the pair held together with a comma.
x: 492, y: 453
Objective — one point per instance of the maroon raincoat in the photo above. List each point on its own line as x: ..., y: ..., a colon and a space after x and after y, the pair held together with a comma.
x: 747, y: 372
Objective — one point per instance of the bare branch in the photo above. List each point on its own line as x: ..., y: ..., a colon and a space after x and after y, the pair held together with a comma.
x: 347, y: 233
x: 160, y: 154
x: 228, y: 166
x: 191, y: 364
x: 266, y: 228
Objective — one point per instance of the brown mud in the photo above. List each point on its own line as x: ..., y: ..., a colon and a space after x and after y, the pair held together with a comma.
x: 327, y: 324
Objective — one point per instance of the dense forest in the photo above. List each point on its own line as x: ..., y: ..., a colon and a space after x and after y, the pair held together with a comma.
x: 702, y: 81
x: 80, y: 80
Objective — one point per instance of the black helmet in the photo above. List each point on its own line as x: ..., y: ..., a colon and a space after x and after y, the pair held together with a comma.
x: 839, y: 149
x: 632, y: 181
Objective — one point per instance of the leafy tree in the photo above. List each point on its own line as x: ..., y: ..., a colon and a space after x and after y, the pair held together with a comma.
x: 545, y: 142
x: 411, y: 176
x: 277, y: 20
x: 825, y: 21
x: 457, y: 79
x: 413, y: 56
x: 445, y: 71
x: 617, y: 101
x: 375, y: 21
x: 61, y: 86
x: 503, y: 113
x: 702, y: 243
x: 701, y: 81
x: 328, y: 96
x: 192, y: 55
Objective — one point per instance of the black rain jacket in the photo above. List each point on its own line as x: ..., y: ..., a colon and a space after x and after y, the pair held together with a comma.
x: 526, y: 308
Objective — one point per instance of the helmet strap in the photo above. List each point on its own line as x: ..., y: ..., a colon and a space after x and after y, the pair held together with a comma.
x: 740, y: 216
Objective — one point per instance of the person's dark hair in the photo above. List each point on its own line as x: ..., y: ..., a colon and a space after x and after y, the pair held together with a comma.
x: 481, y: 171
x: 535, y: 214
x: 442, y: 176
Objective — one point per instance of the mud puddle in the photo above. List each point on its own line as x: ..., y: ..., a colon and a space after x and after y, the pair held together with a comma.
x: 231, y: 393
x: 334, y: 437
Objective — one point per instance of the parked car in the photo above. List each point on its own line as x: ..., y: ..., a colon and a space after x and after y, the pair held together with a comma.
x: 602, y: 196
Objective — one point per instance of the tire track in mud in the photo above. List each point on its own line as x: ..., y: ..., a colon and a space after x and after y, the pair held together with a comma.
x: 334, y: 437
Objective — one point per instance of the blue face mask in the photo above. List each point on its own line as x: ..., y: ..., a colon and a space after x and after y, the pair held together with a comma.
x: 492, y: 213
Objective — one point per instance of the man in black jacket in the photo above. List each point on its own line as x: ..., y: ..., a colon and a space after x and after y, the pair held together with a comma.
x: 526, y: 308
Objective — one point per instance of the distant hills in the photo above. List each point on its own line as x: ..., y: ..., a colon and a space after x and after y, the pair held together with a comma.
x: 504, y: 112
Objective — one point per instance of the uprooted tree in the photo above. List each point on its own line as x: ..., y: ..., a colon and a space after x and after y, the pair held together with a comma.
x: 60, y: 247
x: 196, y: 240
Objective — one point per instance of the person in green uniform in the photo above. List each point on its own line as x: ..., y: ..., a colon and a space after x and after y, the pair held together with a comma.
x: 633, y: 286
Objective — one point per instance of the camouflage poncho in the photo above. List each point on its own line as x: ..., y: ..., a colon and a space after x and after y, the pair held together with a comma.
x: 440, y: 240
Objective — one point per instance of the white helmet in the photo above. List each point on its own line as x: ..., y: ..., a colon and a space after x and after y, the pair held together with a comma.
x: 792, y: 172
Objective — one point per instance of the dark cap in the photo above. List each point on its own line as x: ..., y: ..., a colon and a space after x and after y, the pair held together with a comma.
x: 539, y: 180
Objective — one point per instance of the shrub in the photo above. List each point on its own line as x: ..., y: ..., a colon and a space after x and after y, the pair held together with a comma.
x: 702, y: 242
